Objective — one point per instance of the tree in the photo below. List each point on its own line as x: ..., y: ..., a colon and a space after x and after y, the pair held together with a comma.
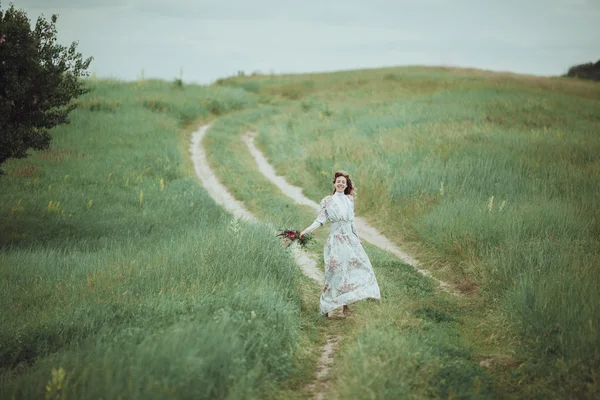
x: 38, y: 81
x: 586, y: 71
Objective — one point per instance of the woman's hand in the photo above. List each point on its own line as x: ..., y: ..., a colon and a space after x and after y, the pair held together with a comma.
x: 302, y: 233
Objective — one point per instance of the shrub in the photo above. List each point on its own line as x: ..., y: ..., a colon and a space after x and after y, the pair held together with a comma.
x: 586, y: 71
x: 38, y: 80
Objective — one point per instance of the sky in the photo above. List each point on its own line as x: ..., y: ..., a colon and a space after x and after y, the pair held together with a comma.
x: 203, y: 40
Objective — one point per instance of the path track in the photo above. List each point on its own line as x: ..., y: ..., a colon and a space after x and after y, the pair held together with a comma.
x: 365, y: 230
x: 307, y: 264
x: 220, y: 194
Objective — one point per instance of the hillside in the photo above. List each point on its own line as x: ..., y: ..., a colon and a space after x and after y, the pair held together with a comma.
x: 489, y: 179
x: 122, y: 272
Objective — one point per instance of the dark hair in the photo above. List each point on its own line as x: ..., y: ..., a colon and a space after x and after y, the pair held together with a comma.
x: 349, y: 186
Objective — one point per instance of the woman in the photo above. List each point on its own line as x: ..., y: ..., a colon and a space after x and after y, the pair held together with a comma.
x: 349, y: 276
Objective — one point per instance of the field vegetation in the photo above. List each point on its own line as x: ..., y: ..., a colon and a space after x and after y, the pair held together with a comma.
x: 490, y: 179
x: 121, y: 277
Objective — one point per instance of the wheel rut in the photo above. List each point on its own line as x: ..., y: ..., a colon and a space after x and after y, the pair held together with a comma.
x: 307, y: 264
x: 366, y: 231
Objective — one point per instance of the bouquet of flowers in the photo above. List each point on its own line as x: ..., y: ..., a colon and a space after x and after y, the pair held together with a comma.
x: 289, y: 236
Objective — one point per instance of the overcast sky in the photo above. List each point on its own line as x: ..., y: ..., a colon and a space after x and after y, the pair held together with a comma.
x: 210, y: 39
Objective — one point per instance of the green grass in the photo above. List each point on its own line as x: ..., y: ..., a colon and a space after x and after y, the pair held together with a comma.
x: 133, y: 281
x: 265, y: 201
x: 120, y: 270
x: 410, y: 310
x: 490, y: 179
x: 411, y: 344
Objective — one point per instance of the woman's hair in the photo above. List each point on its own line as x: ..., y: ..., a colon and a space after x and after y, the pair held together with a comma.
x: 349, y: 186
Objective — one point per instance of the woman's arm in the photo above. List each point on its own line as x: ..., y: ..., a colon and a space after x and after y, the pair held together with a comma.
x: 320, y: 220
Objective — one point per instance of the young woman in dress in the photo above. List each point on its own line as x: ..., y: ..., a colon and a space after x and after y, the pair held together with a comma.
x: 349, y: 276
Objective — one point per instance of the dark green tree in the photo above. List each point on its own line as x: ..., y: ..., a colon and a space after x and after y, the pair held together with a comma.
x: 586, y: 71
x: 39, y: 79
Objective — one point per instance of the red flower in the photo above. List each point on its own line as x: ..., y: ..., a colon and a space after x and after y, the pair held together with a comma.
x: 291, y: 235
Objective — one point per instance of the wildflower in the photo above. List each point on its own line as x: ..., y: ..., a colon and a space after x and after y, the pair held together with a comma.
x: 53, y: 207
x: 162, y: 184
x: 17, y: 208
x: 90, y: 204
x: 18, y: 236
x: 56, y: 383
x: 491, y: 204
x: 289, y: 236
x: 234, y: 227
x: 502, y: 205
x: 441, y: 188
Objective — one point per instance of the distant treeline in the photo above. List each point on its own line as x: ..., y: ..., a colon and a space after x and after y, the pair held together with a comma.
x: 586, y: 71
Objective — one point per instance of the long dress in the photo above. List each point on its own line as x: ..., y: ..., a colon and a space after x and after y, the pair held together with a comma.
x: 349, y: 275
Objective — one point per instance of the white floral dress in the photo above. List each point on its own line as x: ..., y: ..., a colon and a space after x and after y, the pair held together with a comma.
x: 349, y: 276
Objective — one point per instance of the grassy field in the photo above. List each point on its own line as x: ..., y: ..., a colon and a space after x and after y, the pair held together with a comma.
x: 121, y: 278
x: 490, y: 179
x: 373, y: 361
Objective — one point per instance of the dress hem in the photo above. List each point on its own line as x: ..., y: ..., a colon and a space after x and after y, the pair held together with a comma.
x: 347, y: 299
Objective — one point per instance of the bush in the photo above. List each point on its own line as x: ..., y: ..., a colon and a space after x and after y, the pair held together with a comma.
x: 38, y: 80
x: 99, y: 104
x: 586, y: 71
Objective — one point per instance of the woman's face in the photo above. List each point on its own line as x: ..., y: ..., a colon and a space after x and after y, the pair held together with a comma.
x: 340, y: 183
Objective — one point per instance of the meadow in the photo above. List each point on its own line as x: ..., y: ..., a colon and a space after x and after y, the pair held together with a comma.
x: 122, y: 278
x: 490, y: 179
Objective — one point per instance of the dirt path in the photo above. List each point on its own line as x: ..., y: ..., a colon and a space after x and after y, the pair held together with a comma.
x: 307, y: 264
x: 210, y: 182
x: 366, y: 231
x: 219, y: 192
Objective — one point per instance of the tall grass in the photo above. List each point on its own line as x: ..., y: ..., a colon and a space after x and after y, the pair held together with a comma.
x: 409, y: 343
x: 122, y: 278
x: 494, y: 175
